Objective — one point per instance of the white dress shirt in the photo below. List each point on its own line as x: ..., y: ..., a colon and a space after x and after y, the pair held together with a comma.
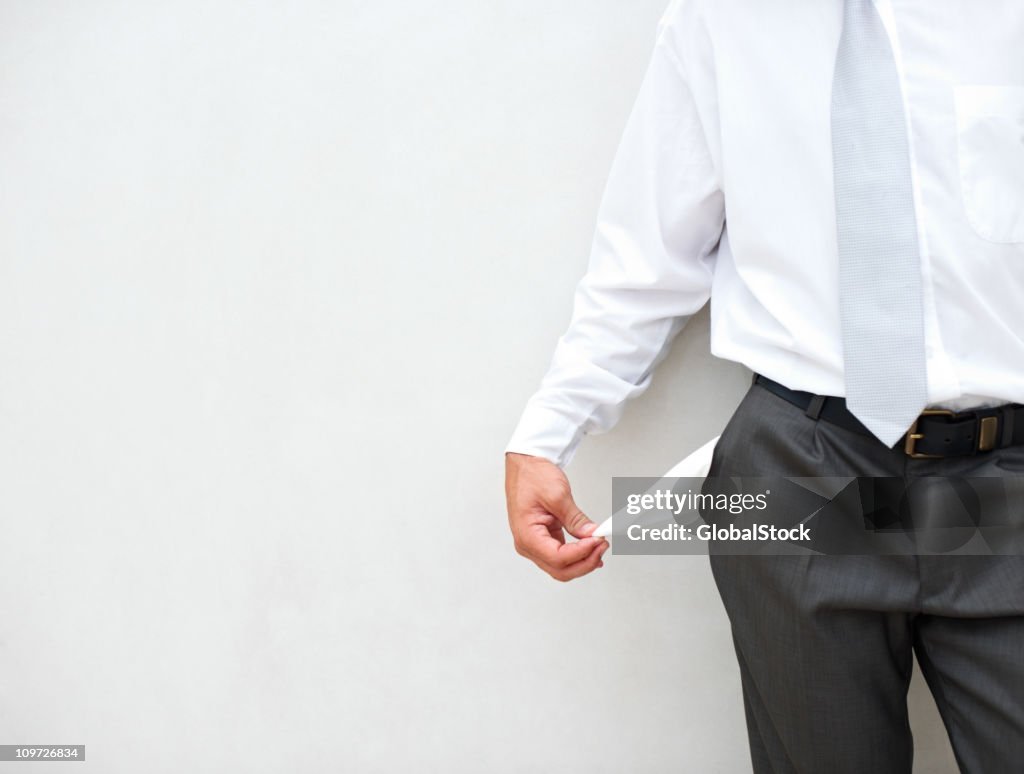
x: 722, y: 188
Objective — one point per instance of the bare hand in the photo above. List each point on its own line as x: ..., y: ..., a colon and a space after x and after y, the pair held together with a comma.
x: 540, y: 511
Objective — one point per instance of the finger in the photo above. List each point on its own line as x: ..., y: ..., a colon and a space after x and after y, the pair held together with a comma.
x: 577, y: 569
x: 587, y: 565
x: 538, y: 544
x: 555, y: 530
x: 565, y: 509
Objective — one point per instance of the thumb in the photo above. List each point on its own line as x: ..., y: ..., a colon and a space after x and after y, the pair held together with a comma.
x: 573, y: 519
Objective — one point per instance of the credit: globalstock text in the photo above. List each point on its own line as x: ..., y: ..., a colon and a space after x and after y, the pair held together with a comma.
x: 709, y: 532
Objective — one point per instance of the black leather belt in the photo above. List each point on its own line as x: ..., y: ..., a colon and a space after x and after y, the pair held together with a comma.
x: 936, y: 433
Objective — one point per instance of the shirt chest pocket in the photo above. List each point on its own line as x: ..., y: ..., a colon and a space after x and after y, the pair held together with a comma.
x: 990, y: 137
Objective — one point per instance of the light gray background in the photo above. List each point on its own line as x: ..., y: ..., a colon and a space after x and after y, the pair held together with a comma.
x: 275, y: 281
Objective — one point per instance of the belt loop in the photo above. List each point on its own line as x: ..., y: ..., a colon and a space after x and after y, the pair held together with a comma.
x: 815, y: 406
x: 1008, y: 416
x: 753, y: 379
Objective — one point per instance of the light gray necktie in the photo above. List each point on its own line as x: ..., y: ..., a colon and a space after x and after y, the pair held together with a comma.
x: 880, y: 299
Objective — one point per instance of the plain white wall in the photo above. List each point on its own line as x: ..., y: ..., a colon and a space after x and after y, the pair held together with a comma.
x: 275, y: 281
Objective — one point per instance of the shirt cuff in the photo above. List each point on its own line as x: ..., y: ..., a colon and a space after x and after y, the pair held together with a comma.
x: 545, y: 432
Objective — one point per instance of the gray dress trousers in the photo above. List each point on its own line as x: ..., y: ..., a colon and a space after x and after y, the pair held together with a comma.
x: 825, y: 642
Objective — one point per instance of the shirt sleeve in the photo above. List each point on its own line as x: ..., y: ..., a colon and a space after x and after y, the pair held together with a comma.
x: 650, y: 266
